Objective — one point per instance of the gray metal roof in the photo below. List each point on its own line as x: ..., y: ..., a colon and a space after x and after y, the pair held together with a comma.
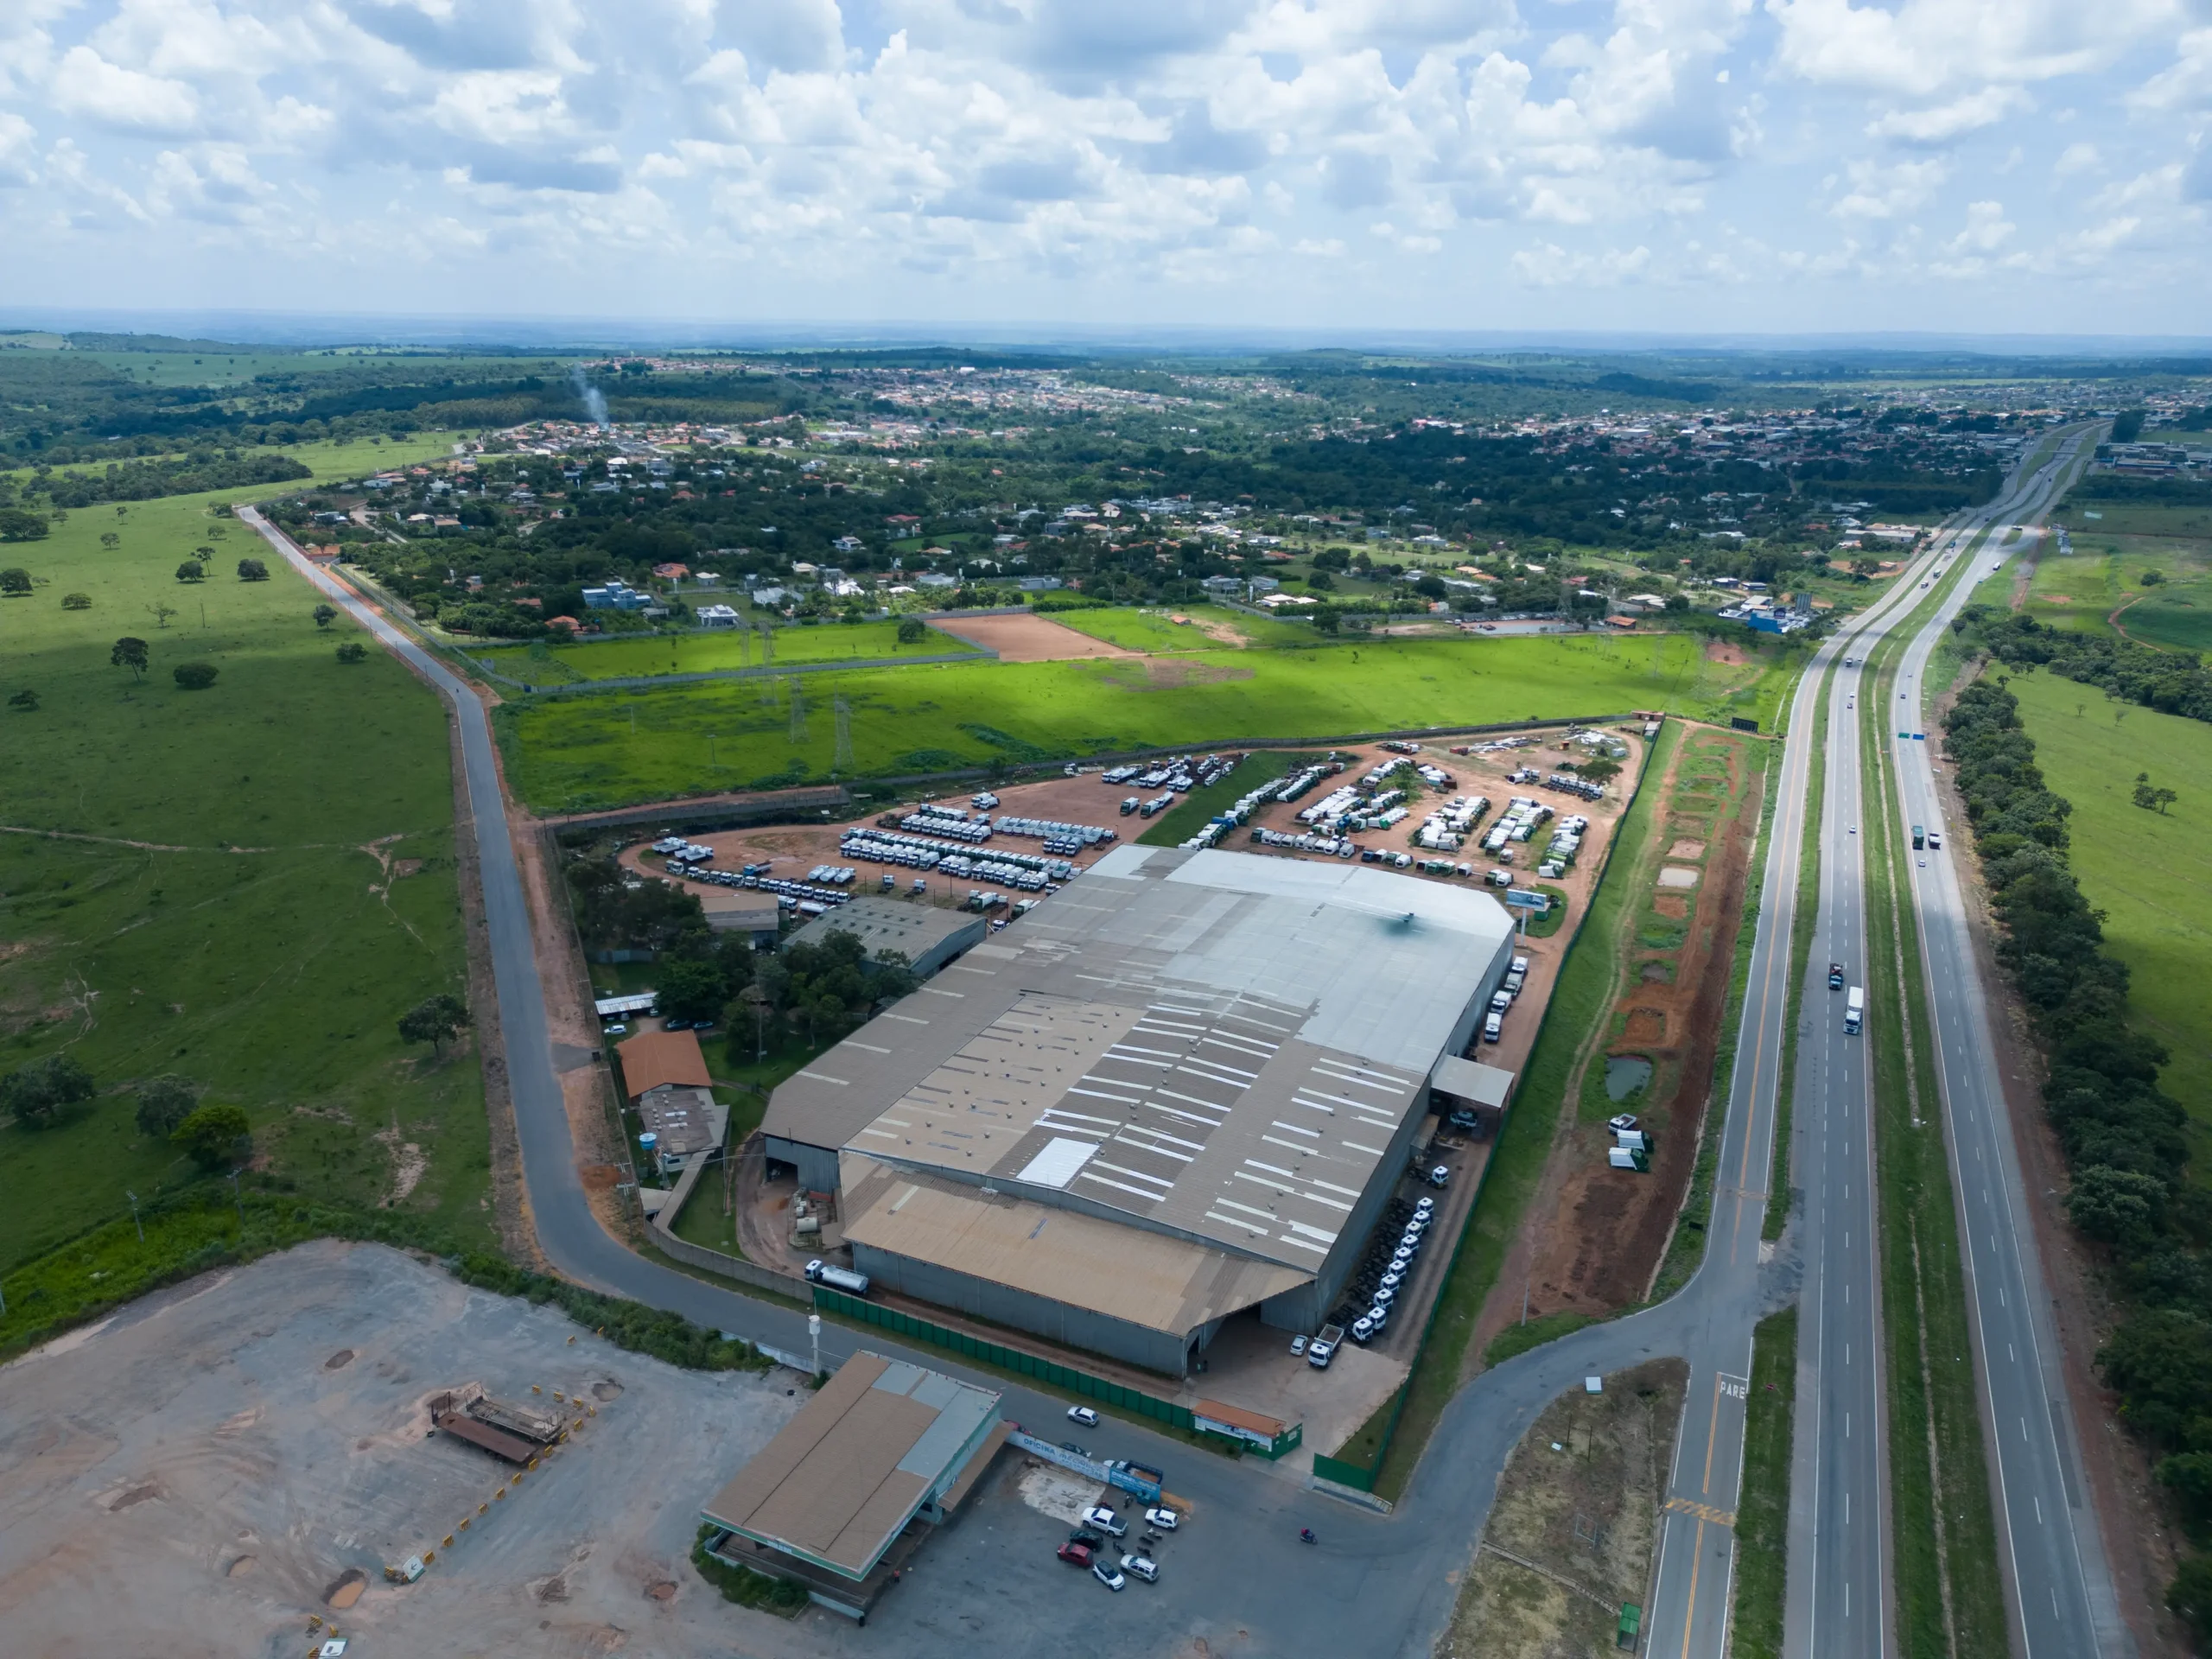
x: 912, y: 929
x: 1216, y: 1046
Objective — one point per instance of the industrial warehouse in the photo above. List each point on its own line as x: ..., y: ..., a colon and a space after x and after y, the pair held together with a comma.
x: 1182, y: 1090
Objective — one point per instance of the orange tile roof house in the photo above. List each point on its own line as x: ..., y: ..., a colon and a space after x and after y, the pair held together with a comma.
x: 655, y: 1057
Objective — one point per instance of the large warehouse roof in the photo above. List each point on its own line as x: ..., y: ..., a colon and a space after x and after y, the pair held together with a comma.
x: 1219, y: 1044
x: 849, y: 1472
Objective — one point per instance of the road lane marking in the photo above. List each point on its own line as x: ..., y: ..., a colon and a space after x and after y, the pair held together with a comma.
x: 1689, y: 1613
x: 1702, y: 1511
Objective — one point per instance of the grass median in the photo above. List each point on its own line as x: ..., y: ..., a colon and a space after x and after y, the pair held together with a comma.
x: 1805, y: 922
x: 1763, y: 1508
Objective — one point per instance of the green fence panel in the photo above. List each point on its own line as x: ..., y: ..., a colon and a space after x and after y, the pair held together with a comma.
x: 1344, y: 1474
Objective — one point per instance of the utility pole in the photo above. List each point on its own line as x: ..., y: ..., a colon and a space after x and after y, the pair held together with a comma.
x: 135, y: 1222
x: 814, y: 1329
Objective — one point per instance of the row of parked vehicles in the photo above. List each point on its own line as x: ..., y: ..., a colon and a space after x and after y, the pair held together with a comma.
x: 1502, y: 1000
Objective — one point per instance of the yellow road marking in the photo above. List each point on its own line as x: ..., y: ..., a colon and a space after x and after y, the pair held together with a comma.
x: 1702, y: 1511
x: 1689, y: 1614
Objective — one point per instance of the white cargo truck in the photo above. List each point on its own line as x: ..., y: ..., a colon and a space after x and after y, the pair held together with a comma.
x: 1854, y: 1011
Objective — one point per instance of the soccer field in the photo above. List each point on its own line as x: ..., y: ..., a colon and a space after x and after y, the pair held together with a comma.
x: 578, y: 754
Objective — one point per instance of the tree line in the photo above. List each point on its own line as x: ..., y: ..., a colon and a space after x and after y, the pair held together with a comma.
x: 2172, y: 682
x: 2124, y: 1137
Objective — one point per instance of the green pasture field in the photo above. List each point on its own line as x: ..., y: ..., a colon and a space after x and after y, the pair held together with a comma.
x: 330, y: 461
x: 2106, y: 571
x: 582, y: 753
x: 2150, y: 873
x: 217, y: 910
x: 1151, y: 630
x: 709, y: 652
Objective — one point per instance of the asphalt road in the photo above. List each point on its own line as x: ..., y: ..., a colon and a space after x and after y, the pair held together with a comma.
x: 2061, y: 1596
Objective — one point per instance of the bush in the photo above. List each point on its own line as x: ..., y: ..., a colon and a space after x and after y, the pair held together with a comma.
x: 24, y: 701
x: 742, y: 1585
x: 213, y: 1136
x: 913, y: 631
x: 76, y: 601
x: 35, y: 1092
x: 252, y: 570
x: 15, y: 582
x: 353, y: 651
x: 191, y: 570
x: 194, y: 676
x: 164, y: 1103
x: 18, y: 526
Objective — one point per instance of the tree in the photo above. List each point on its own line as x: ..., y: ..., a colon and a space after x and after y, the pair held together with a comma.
x: 2151, y: 798
x: 25, y: 700
x: 15, y: 582
x: 353, y: 651
x: 194, y: 676
x: 693, y: 991
x: 18, y: 526
x: 164, y: 1103
x: 161, y: 613
x: 214, y: 1136
x: 252, y: 570
x: 1600, y: 771
x: 76, y: 601
x: 191, y: 570
x: 434, y: 1020
x: 2190, y: 1594
x: 129, y: 652
x: 2118, y: 1206
x: 324, y: 616
x: 911, y: 631
x: 2152, y: 578
x: 110, y: 540
x: 1322, y: 583
x: 35, y: 1092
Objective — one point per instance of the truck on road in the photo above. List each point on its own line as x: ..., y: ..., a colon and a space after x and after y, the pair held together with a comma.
x: 844, y: 1279
x: 1854, y: 1012
x: 1919, y: 838
x: 1323, y: 1348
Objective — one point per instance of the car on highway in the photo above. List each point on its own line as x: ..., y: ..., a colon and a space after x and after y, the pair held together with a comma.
x: 1083, y: 1415
x: 1142, y: 1566
x: 1070, y: 1445
x: 1835, y: 975
x: 1164, y: 1518
x: 1109, y: 1576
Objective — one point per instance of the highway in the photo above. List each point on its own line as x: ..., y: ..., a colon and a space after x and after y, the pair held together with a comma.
x: 2061, y: 1596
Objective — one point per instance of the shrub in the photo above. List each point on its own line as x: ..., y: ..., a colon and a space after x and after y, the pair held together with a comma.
x: 164, y: 1103
x: 191, y: 570
x: 213, y: 1135
x: 24, y: 701
x: 353, y: 651
x: 35, y: 1092
x: 252, y: 570
x: 76, y: 601
x: 911, y: 631
x: 15, y: 582
x: 194, y: 676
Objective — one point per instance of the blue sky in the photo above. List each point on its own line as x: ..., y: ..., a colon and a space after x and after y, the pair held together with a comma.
x: 1693, y: 165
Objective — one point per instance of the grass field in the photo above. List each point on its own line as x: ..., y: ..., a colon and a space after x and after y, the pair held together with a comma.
x: 1152, y: 630
x: 2105, y: 570
x: 640, y: 655
x: 2150, y: 873
x: 295, y: 892
x: 1763, y: 1511
x: 573, y: 755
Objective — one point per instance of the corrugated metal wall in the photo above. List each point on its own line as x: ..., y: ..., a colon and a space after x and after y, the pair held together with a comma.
x: 1021, y: 1310
x: 817, y: 1165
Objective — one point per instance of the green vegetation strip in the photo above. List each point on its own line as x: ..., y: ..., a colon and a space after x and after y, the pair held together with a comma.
x: 742, y: 1585
x: 1763, y: 1508
x: 1581, y: 1002
x: 1805, y: 922
x: 1949, y: 1595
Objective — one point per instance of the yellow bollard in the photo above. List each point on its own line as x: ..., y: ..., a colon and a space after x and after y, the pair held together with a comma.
x: 501, y: 1493
x: 480, y: 1507
x: 429, y: 1556
x: 534, y: 1388
x: 572, y: 1339
x: 449, y: 1540
x: 557, y: 1394
x: 464, y: 1524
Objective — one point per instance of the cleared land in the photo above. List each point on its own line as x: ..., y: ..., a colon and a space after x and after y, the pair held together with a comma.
x: 577, y: 755
x: 2150, y: 873
x: 1571, y: 1536
x: 1186, y: 627
x: 2099, y: 588
x: 206, y: 1469
x: 246, y: 886
x: 1028, y: 639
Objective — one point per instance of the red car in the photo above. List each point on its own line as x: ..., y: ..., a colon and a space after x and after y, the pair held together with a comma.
x: 1076, y: 1555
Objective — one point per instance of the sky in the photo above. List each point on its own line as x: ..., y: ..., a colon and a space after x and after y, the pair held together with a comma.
x: 1784, y: 166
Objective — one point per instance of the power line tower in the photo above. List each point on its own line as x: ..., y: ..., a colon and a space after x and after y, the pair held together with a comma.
x: 744, y: 646
x: 842, y: 762
x: 798, y: 711
x: 767, y: 645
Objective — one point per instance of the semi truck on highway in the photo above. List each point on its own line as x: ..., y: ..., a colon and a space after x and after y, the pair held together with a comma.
x: 1854, y: 1012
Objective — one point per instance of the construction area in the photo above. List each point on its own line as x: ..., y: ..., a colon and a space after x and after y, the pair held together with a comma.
x: 343, y: 1440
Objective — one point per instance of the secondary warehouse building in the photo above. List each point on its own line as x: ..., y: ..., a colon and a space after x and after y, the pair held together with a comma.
x: 1181, y: 1090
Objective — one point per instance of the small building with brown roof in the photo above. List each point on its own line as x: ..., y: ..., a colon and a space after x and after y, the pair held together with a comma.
x: 652, y: 1058
x: 883, y: 1445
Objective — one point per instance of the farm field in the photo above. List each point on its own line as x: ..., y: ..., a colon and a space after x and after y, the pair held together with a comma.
x: 2106, y: 571
x: 705, y: 652
x: 2150, y: 872
x: 254, y: 882
x: 579, y: 754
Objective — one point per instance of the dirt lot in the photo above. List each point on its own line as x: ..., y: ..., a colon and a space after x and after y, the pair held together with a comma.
x: 1578, y: 1505
x: 1675, y: 958
x: 198, y: 1474
x: 1026, y: 639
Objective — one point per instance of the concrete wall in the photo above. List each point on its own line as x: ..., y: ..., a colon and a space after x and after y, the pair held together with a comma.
x: 1165, y: 1351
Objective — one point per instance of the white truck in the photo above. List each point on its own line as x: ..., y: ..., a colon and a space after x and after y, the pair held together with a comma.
x: 844, y: 1279
x: 1323, y: 1348
x: 1854, y: 1012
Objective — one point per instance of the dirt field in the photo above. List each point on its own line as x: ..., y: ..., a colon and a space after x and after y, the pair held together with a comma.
x: 1671, y: 993
x: 205, y: 1471
x: 1578, y: 1505
x: 1029, y: 638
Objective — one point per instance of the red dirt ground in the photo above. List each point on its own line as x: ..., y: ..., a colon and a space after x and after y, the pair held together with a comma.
x: 1028, y: 638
